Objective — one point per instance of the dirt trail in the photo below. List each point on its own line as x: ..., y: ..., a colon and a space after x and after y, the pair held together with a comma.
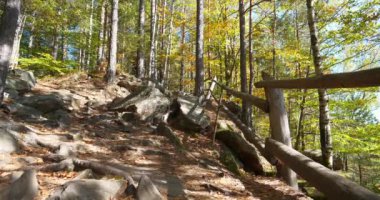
x: 194, y: 172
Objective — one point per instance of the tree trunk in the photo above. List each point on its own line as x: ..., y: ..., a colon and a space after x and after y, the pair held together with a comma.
x: 140, y: 71
x: 89, y: 39
x: 153, y: 45
x: 55, y: 45
x: 199, y: 65
x: 274, y: 70
x: 8, y: 26
x: 101, y: 36
x: 111, y: 72
x: 17, y: 41
x: 31, y: 36
x: 168, y: 48
x: 324, y: 117
x: 182, y: 70
x: 251, y: 69
x: 243, y: 65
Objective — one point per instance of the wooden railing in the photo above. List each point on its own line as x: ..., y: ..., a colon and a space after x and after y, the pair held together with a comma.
x: 278, y: 149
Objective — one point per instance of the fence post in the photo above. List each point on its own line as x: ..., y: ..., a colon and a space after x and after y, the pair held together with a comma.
x: 279, y: 125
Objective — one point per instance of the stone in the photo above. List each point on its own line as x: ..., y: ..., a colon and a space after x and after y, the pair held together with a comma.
x: 87, y: 189
x: 20, y: 81
x: 8, y: 143
x: 44, y: 103
x: 146, y: 190
x: 24, y: 112
x: 24, y: 188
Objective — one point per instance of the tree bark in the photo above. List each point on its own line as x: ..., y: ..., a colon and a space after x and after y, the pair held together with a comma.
x: 182, y: 70
x: 89, y: 37
x: 8, y: 26
x: 250, y: 57
x: 111, y: 72
x: 17, y: 41
x: 243, y: 65
x: 199, y: 65
x: 153, y: 44
x: 274, y: 26
x: 140, y: 71
x: 168, y: 48
x: 280, y: 131
x: 324, y: 117
x: 101, y: 36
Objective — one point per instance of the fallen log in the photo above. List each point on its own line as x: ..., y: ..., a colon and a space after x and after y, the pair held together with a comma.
x: 326, y: 181
x: 249, y: 135
x: 244, y: 150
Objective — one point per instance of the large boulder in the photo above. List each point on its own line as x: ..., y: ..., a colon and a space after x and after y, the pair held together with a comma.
x: 23, y: 188
x: 44, y: 103
x: 24, y: 112
x: 8, y: 143
x: 187, y: 114
x: 88, y: 189
x: 148, y: 103
x: 20, y: 81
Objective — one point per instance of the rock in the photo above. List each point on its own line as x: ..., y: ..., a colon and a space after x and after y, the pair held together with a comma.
x: 233, y: 107
x: 146, y: 190
x: 24, y: 188
x: 61, y: 116
x: 8, y: 143
x: 186, y: 114
x: 20, y: 81
x: 71, y: 100
x: 132, y: 85
x: 44, y: 103
x: 147, y: 103
x: 87, y: 189
x: 24, y: 112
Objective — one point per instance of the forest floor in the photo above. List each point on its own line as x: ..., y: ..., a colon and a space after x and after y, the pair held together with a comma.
x: 194, y: 172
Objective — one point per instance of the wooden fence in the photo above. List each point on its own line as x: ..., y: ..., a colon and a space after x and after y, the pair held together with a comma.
x: 278, y: 150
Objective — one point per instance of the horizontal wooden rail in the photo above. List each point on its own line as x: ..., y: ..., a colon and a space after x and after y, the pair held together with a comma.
x: 325, y: 180
x: 257, y: 141
x: 364, y: 78
x: 262, y: 104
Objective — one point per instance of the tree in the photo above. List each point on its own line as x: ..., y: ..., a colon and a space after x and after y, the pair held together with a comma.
x: 8, y: 26
x: 111, y: 72
x: 152, y: 71
x: 243, y: 64
x: 199, y: 64
x: 140, y: 51
x: 324, y: 117
x: 102, y: 36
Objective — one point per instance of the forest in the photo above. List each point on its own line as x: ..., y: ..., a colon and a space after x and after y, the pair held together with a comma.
x: 239, y: 56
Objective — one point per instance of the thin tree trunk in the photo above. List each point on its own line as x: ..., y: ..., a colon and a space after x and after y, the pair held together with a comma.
x: 274, y: 70
x: 111, y: 72
x: 243, y: 64
x: 64, y: 46
x: 101, y: 36
x: 31, y: 37
x: 140, y: 71
x: 8, y: 26
x: 168, y: 49
x: 153, y: 44
x: 17, y: 41
x: 55, y: 45
x: 182, y: 70
x: 300, y: 128
x: 251, y: 69
x: 89, y: 39
x: 324, y: 117
x: 199, y: 66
